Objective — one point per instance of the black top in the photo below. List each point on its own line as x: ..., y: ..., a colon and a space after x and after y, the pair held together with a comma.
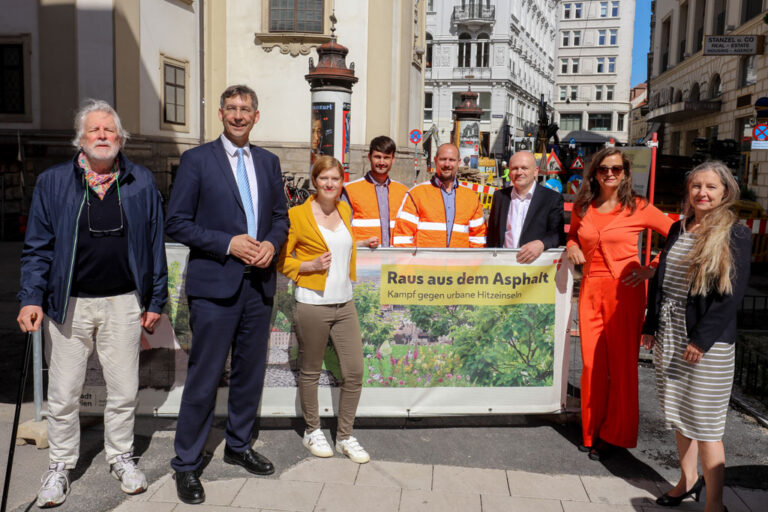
x: 544, y: 220
x: 101, y: 265
x: 709, y: 318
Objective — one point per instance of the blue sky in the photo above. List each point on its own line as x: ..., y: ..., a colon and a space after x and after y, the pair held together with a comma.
x: 642, y: 41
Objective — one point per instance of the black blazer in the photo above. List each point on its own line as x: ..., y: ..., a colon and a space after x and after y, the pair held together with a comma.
x: 205, y: 211
x: 709, y: 318
x: 544, y: 220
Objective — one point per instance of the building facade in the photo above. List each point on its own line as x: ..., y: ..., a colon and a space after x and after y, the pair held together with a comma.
x: 163, y: 65
x: 593, y: 66
x: 710, y: 97
x: 638, y: 102
x: 502, y: 50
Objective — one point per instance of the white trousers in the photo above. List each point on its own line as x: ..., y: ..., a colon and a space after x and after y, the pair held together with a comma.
x: 114, y: 324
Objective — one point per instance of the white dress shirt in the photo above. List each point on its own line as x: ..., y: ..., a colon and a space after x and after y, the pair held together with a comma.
x: 518, y: 209
x: 231, y: 150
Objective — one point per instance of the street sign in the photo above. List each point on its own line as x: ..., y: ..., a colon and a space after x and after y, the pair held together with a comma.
x: 553, y: 164
x: 578, y: 164
x: 415, y: 136
x: 571, y: 141
x: 760, y: 136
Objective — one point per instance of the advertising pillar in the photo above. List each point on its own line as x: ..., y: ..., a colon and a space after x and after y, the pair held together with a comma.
x: 331, y: 86
x: 467, y: 129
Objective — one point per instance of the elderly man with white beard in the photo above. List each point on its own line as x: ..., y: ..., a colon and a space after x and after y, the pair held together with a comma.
x: 93, y: 274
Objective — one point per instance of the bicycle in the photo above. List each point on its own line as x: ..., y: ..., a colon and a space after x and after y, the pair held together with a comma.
x: 296, y: 193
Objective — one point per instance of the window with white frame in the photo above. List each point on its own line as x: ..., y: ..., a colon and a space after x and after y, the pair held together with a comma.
x: 175, y: 94
x: 566, y: 40
x: 603, y: 9
x: 611, y: 64
x: 620, y: 123
x: 570, y: 122
x: 574, y: 92
x: 615, y: 9
x: 577, y: 10
x: 609, y: 92
x: 427, y: 106
x: 564, y: 66
x: 598, y: 93
x: 613, y: 36
x: 566, y: 11
x: 296, y: 16
x: 577, y: 38
x: 601, y: 37
x: 599, y: 122
x: 563, y: 93
x: 574, y: 66
x: 600, y: 65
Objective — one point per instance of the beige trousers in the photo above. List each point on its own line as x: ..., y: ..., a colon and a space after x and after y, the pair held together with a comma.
x: 313, y: 325
x: 114, y: 324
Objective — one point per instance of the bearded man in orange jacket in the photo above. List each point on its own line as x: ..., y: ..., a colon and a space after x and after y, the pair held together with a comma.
x: 440, y: 213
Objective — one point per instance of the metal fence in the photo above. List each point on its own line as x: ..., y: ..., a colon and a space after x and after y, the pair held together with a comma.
x: 752, y: 372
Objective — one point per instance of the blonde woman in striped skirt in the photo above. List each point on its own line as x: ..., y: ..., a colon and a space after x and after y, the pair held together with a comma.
x: 691, y: 322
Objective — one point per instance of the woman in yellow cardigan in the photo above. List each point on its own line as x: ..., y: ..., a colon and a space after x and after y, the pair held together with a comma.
x: 319, y: 256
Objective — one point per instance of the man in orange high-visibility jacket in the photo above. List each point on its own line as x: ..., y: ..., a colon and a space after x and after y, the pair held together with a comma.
x: 375, y: 198
x: 440, y: 213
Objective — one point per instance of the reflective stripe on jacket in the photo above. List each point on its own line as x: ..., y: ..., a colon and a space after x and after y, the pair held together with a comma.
x: 421, y: 219
x: 365, y: 207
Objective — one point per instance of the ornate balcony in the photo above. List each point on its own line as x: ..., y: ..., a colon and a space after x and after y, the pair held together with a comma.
x: 472, y: 73
x: 474, y: 16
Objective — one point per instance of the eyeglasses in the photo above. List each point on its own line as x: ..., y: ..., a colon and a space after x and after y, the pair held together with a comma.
x: 232, y: 109
x: 615, y: 169
x: 104, y: 232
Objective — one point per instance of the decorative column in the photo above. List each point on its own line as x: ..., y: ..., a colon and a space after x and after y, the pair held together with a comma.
x: 467, y: 129
x: 331, y: 85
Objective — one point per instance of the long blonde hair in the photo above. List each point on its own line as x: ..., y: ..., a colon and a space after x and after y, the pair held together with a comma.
x: 710, y: 261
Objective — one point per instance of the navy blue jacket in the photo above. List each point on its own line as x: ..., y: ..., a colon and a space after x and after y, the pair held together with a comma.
x: 709, y: 318
x: 205, y: 211
x: 49, y: 246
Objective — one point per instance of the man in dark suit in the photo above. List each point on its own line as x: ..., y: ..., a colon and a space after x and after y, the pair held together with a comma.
x: 525, y: 216
x: 228, y: 206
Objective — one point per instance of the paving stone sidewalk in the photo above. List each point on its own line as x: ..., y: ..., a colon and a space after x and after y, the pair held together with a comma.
x: 339, y: 485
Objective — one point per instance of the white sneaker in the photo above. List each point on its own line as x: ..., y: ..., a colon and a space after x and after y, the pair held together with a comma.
x: 352, y: 449
x: 132, y: 479
x: 317, y: 444
x: 55, y: 486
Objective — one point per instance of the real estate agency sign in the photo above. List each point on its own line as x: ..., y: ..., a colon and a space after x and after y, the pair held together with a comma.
x: 733, y: 45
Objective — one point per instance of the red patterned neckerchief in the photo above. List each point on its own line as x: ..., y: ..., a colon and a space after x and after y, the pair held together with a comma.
x: 99, y: 183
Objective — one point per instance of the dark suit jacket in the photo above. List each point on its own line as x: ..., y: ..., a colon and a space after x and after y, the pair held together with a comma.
x: 205, y: 211
x: 709, y: 318
x: 544, y: 220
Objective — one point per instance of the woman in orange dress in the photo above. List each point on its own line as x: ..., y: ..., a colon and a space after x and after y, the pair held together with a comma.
x: 607, y: 219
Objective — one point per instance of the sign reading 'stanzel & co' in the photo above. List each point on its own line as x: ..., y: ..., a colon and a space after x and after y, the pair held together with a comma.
x: 733, y: 45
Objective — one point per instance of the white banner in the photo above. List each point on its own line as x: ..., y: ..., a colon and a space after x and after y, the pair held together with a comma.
x: 445, y: 332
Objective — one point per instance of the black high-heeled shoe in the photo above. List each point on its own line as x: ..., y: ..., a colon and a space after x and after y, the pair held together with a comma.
x: 665, y: 500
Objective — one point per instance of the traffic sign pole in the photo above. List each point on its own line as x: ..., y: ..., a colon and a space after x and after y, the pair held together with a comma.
x: 415, y: 138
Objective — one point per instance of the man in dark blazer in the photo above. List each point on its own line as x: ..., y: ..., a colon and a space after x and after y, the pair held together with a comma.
x: 524, y: 215
x: 228, y: 206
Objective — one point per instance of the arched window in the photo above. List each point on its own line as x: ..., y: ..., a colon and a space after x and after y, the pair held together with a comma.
x: 465, y: 51
x: 428, y: 63
x: 483, y: 48
x: 695, y: 93
x: 716, y: 89
x: 678, y: 96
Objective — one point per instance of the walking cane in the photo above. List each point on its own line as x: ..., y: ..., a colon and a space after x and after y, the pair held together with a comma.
x: 15, y: 429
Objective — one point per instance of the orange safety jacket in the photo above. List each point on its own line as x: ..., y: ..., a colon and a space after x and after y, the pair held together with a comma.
x: 361, y: 195
x: 421, y: 220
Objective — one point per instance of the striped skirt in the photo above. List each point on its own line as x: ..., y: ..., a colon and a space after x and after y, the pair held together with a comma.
x: 694, y: 397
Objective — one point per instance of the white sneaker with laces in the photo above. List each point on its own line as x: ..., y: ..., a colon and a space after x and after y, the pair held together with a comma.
x: 132, y: 479
x: 352, y: 449
x: 317, y: 444
x: 55, y: 486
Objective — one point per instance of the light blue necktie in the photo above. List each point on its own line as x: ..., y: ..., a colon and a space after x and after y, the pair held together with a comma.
x: 245, y: 193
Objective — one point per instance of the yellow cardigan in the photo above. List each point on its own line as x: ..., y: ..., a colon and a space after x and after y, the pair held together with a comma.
x: 305, y: 243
